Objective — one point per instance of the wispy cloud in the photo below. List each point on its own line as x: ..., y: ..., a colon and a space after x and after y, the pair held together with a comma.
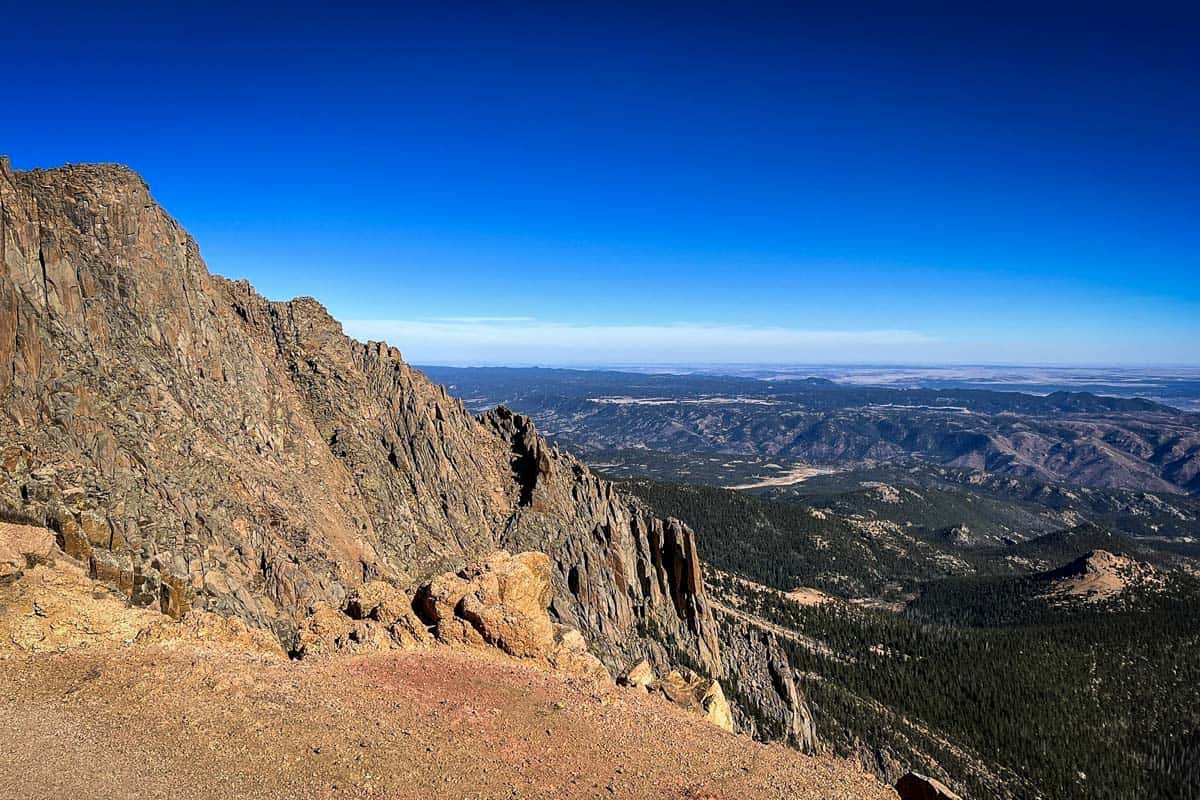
x: 480, y: 320
x: 525, y: 340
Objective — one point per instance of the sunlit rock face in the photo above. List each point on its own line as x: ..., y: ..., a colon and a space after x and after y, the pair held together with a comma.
x: 200, y: 446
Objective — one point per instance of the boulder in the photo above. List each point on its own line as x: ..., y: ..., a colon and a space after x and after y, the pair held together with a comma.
x: 915, y: 786
x: 501, y: 601
x: 571, y: 654
x: 640, y: 675
x: 22, y: 546
x: 716, y: 707
x: 698, y: 694
x: 378, y: 600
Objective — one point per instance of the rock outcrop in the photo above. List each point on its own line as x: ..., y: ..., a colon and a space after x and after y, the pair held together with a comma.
x: 198, y: 446
x: 503, y: 601
x: 685, y: 689
x: 915, y: 786
x: 1096, y: 577
x: 767, y: 702
x: 51, y: 605
x: 639, y: 676
x: 704, y: 695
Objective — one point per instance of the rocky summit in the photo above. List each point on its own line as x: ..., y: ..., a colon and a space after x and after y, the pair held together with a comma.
x: 201, y: 447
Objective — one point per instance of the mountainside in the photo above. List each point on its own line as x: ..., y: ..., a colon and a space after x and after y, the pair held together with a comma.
x: 139, y: 704
x: 973, y: 662
x: 1073, y: 437
x: 200, y: 446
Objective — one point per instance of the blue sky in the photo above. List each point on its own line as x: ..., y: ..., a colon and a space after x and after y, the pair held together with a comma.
x: 741, y: 182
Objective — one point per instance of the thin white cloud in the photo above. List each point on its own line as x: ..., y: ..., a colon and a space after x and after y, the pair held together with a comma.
x: 481, y: 320
x: 530, y: 341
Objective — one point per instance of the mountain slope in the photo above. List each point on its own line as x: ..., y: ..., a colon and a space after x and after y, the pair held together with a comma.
x: 203, y: 447
x: 143, y: 704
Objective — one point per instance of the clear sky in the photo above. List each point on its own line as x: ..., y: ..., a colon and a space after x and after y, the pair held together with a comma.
x: 510, y: 183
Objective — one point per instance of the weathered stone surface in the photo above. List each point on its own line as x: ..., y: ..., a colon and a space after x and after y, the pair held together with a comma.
x: 915, y: 786
x: 506, y: 601
x: 716, y: 707
x: 244, y: 456
x: 699, y: 694
x: 640, y: 675
x: 378, y: 600
x: 23, y: 546
x: 571, y: 654
x: 503, y: 601
x: 53, y: 605
x: 767, y: 703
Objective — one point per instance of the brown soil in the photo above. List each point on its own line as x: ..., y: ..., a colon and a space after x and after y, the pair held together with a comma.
x: 178, y: 720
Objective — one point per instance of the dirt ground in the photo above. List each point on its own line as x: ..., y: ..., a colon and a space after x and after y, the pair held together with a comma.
x: 179, y: 721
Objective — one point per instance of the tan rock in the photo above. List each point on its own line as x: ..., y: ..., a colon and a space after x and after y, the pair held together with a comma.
x: 408, y: 630
x: 699, y: 694
x: 22, y: 546
x: 323, y: 629
x: 377, y: 600
x: 437, y: 600
x: 503, y: 601
x: 500, y: 601
x: 716, y: 707
x: 681, y: 690
x: 571, y: 654
x: 640, y: 675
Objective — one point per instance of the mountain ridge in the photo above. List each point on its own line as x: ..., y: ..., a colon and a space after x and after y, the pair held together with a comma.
x: 201, y: 446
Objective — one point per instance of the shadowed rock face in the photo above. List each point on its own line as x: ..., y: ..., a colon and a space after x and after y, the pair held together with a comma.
x: 915, y: 786
x: 200, y: 446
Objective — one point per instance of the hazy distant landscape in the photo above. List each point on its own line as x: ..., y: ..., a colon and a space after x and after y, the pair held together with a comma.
x: 1173, y: 385
x: 1114, y: 441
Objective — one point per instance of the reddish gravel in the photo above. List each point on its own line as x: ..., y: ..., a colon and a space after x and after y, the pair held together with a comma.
x: 178, y: 722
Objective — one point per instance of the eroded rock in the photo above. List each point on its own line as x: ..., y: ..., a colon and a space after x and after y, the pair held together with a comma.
x: 697, y: 693
x: 23, y: 546
x: 915, y: 786
x: 503, y: 601
x: 640, y: 675
x: 200, y: 447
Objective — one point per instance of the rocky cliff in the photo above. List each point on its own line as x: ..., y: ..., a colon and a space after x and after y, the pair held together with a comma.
x: 200, y: 446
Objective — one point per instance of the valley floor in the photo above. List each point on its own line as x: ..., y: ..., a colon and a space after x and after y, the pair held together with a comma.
x: 174, y: 720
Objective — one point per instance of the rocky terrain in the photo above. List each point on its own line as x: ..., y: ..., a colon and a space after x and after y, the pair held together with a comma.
x: 1096, y: 577
x: 139, y: 703
x: 202, y: 447
x: 206, y: 453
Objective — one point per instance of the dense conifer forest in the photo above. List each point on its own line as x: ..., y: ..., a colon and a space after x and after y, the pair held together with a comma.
x: 978, y: 675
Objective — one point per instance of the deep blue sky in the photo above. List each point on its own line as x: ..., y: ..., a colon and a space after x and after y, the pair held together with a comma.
x: 592, y: 185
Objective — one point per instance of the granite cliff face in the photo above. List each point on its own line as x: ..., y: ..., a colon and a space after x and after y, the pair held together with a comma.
x: 200, y: 446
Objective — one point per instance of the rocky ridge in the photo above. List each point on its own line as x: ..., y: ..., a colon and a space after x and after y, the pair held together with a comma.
x: 1096, y: 576
x: 201, y: 447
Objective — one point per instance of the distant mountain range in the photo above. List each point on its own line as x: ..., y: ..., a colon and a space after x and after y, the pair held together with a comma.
x: 1071, y: 437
